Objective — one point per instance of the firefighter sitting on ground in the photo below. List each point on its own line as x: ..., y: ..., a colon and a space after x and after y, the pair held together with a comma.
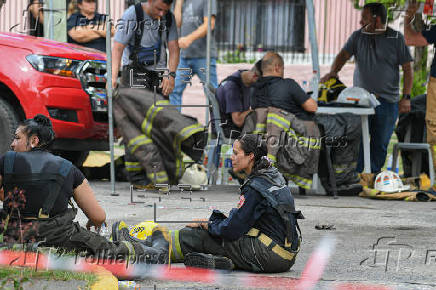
x: 286, y: 114
x: 261, y: 235
x: 36, y: 187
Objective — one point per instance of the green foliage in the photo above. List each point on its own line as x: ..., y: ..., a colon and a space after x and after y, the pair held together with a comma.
x: 420, y: 76
x: 18, y: 276
x: 236, y: 56
x: 388, y: 4
x: 419, y: 83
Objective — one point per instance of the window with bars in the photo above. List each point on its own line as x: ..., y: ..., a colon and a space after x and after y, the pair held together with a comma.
x: 261, y: 25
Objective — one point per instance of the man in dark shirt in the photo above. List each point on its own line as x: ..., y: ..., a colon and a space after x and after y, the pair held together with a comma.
x: 273, y: 90
x: 87, y: 27
x: 234, y: 95
x: 426, y: 37
x: 378, y: 52
x: 36, y: 18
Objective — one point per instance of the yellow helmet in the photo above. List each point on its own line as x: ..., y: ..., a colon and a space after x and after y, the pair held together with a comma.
x: 143, y: 230
x: 330, y: 90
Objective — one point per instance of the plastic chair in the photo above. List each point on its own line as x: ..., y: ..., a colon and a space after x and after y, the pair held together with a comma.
x: 214, y: 147
x: 418, y: 149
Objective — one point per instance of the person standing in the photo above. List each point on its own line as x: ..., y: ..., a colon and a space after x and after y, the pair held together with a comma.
x: 87, y: 27
x: 153, y: 41
x: 192, y: 19
x: 378, y: 51
x: 139, y: 51
x: 424, y: 38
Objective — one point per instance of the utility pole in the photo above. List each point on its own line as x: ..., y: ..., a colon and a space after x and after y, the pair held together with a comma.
x: 55, y: 20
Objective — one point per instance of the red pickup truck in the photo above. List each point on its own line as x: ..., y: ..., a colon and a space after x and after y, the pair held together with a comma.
x: 63, y: 81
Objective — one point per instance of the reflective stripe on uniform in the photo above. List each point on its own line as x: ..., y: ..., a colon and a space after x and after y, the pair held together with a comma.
x: 298, y: 180
x: 260, y: 128
x: 132, y: 166
x: 253, y: 232
x: 176, y: 252
x: 340, y: 168
x: 272, y: 157
x: 147, y: 124
x: 278, y: 121
x: 184, y: 134
x: 158, y: 177
x: 131, y: 249
x: 283, y: 253
x: 311, y: 142
x: 138, y: 141
x: 264, y: 239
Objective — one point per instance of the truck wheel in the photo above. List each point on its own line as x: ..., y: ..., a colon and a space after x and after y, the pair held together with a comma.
x: 8, y: 124
x: 76, y: 157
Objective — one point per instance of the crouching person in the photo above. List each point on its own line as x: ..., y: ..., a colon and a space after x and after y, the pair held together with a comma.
x: 260, y: 235
x: 36, y: 187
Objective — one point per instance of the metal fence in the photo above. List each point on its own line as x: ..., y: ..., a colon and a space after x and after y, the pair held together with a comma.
x: 257, y: 25
x: 247, y: 28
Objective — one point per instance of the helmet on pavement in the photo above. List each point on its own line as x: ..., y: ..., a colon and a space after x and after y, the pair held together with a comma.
x: 195, y: 175
x: 389, y: 181
x: 357, y: 96
x: 143, y: 230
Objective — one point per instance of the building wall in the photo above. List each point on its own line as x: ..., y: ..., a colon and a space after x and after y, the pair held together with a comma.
x: 335, y: 21
x: 12, y: 14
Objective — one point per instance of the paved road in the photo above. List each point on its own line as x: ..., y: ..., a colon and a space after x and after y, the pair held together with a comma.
x: 378, y: 242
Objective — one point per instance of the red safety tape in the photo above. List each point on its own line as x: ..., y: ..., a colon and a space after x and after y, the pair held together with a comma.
x: 310, y: 276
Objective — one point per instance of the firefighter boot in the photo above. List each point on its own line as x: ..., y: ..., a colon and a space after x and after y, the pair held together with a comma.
x: 160, y: 240
x: 120, y: 232
x: 208, y: 261
x: 144, y: 251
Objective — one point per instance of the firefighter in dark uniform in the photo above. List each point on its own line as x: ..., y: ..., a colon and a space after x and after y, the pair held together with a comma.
x: 261, y: 235
x: 36, y: 187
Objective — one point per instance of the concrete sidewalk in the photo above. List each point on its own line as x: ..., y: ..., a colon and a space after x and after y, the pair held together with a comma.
x: 378, y: 242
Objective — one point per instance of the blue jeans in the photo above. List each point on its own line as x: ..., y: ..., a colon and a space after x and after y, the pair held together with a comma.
x: 381, y: 127
x: 198, y: 67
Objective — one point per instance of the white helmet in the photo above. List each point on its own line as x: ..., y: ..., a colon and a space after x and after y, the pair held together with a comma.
x: 389, y: 181
x: 357, y: 96
x: 195, y: 176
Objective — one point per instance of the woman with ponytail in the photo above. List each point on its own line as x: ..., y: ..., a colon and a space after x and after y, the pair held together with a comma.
x: 260, y: 235
x: 36, y: 188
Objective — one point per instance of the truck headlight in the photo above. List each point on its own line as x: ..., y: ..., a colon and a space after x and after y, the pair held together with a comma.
x: 64, y: 67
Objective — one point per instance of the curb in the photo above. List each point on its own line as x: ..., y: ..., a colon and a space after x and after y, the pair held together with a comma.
x: 105, y: 280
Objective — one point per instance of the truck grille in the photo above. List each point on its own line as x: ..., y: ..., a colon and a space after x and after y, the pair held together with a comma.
x: 92, y: 76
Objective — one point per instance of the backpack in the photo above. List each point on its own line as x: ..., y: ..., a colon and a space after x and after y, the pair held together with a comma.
x: 145, y: 56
